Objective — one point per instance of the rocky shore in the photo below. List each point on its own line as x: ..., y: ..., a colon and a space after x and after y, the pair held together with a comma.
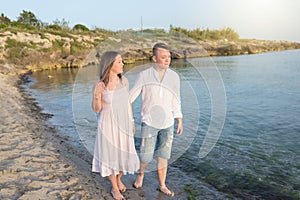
x: 45, y: 50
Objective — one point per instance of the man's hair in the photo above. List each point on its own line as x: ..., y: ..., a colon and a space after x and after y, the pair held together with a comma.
x: 159, y: 46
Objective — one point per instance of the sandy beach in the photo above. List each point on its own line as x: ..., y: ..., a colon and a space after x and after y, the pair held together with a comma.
x: 34, y: 164
x: 37, y: 163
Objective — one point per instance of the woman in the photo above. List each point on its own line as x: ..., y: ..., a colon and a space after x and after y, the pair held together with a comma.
x: 114, y: 153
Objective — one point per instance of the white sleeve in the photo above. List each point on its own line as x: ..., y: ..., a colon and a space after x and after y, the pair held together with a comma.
x: 137, y: 88
x: 176, y: 103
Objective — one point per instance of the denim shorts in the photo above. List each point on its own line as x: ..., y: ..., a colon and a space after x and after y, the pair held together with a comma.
x: 156, y: 142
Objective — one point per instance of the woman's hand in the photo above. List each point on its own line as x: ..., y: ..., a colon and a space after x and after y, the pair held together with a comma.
x: 97, y: 96
x: 99, y: 88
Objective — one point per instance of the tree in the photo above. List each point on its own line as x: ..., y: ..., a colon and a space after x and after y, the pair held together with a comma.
x: 4, y: 19
x: 28, y: 17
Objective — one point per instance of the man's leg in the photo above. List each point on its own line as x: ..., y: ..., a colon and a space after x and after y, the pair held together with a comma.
x: 164, y: 140
x: 162, y: 168
x: 148, y: 140
x: 139, y: 179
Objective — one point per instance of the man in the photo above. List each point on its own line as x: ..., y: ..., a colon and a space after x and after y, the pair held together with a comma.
x: 160, y: 88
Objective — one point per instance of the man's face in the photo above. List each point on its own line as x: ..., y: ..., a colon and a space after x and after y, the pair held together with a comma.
x: 162, y: 58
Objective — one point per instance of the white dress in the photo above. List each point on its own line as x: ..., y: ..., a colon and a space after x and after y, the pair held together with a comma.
x: 114, y: 146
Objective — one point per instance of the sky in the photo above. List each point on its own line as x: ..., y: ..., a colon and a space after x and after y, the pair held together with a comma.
x: 259, y: 19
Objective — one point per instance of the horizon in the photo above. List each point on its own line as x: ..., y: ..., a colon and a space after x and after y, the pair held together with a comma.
x: 255, y: 19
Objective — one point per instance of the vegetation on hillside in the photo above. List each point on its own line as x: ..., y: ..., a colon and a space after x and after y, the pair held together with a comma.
x: 15, y: 50
x: 28, y: 41
x: 29, y: 21
x: 206, y: 34
x: 64, y: 41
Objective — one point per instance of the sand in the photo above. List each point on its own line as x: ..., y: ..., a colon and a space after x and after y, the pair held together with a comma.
x: 33, y: 163
x: 37, y: 163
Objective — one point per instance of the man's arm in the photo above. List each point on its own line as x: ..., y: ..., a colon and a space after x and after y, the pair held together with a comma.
x: 177, y: 107
x: 136, y: 89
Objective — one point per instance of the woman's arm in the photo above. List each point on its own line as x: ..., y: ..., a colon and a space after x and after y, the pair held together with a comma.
x: 137, y: 88
x: 97, y: 96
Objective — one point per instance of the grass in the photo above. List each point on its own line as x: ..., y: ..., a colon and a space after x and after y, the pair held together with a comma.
x: 191, y: 193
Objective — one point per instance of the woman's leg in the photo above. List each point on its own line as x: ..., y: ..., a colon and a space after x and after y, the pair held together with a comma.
x: 115, y: 189
x: 120, y: 184
x: 139, y: 179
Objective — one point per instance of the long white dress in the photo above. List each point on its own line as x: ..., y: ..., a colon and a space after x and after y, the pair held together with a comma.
x: 114, y: 146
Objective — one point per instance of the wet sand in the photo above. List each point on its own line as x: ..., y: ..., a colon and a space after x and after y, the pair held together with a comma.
x: 37, y: 163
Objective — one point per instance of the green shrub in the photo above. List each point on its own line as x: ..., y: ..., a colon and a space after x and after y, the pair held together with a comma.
x: 80, y: 27
x: 75, y: 47
x: 22, y: 26
x: 57, y: 45
x: 15, y: 50
x: 206, y: 34
x: 54, y: 27
x: 2, y: 26
x: 156, y: 30
x: 103, y: 32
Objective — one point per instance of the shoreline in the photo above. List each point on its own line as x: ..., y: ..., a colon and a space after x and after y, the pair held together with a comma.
x: 34, y: 164
x: 37, y: 162
x: 48, y: 50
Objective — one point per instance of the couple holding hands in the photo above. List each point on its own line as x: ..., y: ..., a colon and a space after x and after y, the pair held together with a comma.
x: 114, y: 152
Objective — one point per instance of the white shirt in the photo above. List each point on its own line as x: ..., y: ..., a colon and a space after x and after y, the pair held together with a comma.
x: 160, y: 99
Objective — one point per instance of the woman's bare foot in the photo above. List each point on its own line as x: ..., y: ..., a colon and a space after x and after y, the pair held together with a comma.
x: 139, y: 181
x: 117, y: 195
x: 121, y: 186
x: 166, y: 191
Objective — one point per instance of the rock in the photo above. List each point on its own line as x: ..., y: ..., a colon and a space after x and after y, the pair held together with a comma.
x: 46, y: 50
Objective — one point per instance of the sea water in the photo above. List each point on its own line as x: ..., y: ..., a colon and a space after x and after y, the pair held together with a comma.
x: 241, y: 119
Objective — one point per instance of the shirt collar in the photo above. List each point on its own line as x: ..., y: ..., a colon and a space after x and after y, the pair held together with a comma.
x: 155, y: 72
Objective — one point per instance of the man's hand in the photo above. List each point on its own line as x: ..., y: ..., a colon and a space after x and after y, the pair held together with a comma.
x: 179, y: 126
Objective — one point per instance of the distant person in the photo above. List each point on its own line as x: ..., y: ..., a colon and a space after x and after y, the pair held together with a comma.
x: 160, y: 88
x: 114, y: 152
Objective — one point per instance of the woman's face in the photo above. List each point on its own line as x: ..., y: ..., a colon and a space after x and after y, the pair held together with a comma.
x: 117, y: 65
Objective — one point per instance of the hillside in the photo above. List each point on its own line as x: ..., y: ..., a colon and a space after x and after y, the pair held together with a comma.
x: 33, y: 50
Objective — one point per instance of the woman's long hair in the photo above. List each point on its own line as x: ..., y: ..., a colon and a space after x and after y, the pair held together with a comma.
x: 107, y: 60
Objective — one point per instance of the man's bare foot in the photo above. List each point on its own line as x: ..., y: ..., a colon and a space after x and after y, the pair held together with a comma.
x: 166, y: 191
x: 139, y: 181
x: 121, y: 186
x: 116, y: 195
